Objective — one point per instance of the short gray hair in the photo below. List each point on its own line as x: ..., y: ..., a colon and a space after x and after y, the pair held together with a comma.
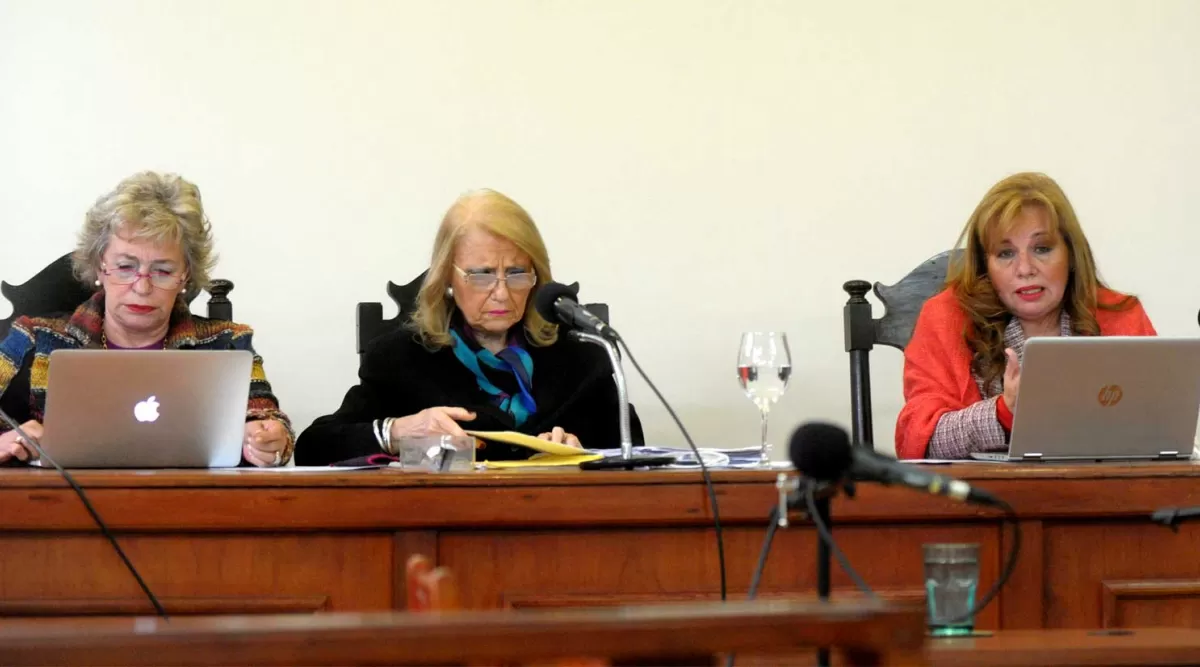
x: 160, y: 208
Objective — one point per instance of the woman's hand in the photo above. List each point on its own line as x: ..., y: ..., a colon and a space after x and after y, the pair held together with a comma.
x: 431, y: 421
x: 561, y: 437
x: 13, y: 446
x: 1012, y: 379
x: 266, y: 441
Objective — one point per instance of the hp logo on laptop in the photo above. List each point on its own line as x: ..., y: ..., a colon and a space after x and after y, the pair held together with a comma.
x: 1110, y: 395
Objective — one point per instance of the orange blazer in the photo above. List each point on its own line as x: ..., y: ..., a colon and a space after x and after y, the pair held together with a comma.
x: 937, y: 365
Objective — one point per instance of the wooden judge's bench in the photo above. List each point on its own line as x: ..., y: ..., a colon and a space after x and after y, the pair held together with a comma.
x: 270, y: 542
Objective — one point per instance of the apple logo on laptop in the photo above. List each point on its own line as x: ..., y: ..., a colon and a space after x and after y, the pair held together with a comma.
x: 147, y: 410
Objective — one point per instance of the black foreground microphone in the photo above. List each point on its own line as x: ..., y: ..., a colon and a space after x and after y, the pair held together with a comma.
x: 823, y: 452
x: 555, y: 302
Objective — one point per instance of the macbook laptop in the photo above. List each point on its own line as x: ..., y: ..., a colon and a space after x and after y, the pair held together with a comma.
x: 1096, y: 398
x: 146, y: 408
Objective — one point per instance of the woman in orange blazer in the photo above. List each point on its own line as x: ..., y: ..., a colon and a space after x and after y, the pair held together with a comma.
x: 1026, y: 270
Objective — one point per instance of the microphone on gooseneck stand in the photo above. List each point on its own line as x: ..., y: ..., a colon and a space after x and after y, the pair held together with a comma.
x: 87, y: 504
x: 556, y: 302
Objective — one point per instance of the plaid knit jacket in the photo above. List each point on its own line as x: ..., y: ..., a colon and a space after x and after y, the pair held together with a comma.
x: 25, y: 357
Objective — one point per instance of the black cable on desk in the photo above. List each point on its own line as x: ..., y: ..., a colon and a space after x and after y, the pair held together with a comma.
x: 87, y: 504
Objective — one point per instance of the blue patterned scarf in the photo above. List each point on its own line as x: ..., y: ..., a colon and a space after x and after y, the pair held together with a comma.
x: 512, y: 359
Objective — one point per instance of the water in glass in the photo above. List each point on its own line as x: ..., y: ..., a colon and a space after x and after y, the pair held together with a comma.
x: 951, y: 579
x: 764, y: 368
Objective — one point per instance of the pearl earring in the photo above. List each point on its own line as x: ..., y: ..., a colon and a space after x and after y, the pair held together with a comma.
x: 97, y: 282
x: 449, y: 292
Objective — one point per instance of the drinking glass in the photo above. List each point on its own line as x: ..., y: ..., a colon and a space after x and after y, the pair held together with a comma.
x: 951, y: 577
x: 437, y: 453
x: 764, y: 367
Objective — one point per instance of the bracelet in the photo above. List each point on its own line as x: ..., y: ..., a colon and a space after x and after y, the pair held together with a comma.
x: 377, y: 432
x: 386, y: 429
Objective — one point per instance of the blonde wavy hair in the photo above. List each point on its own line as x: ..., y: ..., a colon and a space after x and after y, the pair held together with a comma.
x: 968, y: 276
x: 496, y: 214
x: 159, y: 208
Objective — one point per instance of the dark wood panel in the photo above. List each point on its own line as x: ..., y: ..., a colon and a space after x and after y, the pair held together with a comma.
x: 914, y: 597
x: 778, y: 632
x: 249, y: 478
x: 648, y: 635
x: 196, y: 509
x: 1151, y: 603
x: 1022, y: 606
x: 1080, y: 558
x: 81, y: 574
x: 499, y: 567
x: 175, y: 606
x: 556, y: 476
x: 1070, y: 648
x: 368, y: 500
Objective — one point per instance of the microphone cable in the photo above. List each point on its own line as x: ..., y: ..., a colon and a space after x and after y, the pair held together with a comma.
x: 826, y: 536
x: 704, y: 472
x: 1010, y: 515
x: 158, y: 608
x: 1010, y: 565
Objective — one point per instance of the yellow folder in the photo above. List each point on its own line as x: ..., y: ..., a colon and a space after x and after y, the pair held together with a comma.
x: 549, y: 453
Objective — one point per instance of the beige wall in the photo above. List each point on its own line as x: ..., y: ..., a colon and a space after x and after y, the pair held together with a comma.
x: 704, y: 166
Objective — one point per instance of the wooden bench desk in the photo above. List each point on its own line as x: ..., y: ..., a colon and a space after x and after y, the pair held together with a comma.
x: 251, y: 541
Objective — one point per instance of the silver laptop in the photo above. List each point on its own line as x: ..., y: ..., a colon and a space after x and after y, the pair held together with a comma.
x: 146, y: 408
x: 1095, y: 398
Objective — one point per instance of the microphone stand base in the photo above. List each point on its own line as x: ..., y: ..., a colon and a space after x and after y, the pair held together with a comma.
x: 622, y: 463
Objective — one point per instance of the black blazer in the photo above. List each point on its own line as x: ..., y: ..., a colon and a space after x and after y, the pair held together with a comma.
x: 572, y: 386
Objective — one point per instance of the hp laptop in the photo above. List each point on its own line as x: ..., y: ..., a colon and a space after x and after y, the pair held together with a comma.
x: 146, y: 408
x: 1093, y: 398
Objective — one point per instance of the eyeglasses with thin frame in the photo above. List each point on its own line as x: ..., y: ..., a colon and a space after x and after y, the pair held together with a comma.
x: 519, y: 280
x: 128, y: 275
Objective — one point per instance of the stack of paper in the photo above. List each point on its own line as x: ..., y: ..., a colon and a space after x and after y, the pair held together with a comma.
x: 738, y: 457
x: 553, y: 454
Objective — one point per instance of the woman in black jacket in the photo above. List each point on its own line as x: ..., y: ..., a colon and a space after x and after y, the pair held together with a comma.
x: 476, y: 353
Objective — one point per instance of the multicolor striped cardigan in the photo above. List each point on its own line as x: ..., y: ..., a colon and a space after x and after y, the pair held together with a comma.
x: 26, y: 352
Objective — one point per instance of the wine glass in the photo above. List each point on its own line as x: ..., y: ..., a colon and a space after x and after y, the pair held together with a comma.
x: 764, y: 367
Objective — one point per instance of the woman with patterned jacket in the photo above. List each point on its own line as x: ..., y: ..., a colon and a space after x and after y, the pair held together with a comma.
x: 142, y: 246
